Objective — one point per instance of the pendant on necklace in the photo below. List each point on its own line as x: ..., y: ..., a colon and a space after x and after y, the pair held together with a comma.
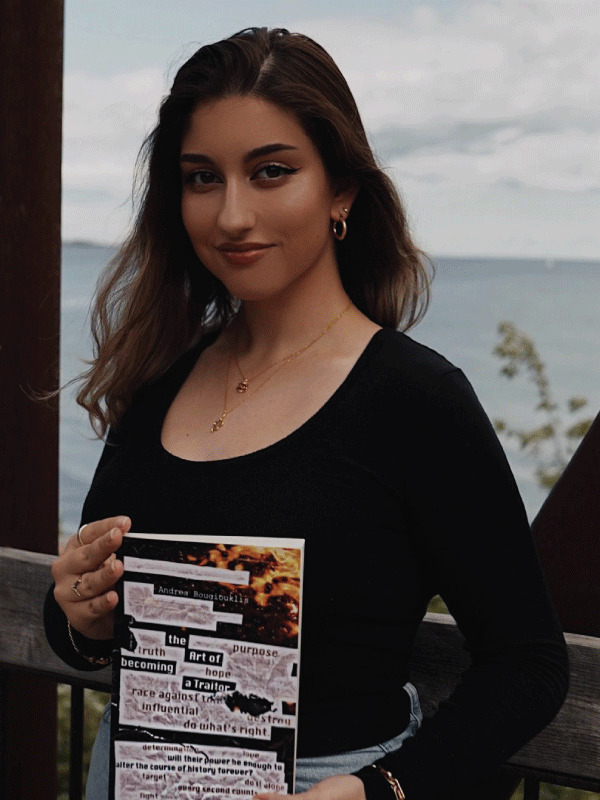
x: 217, y: 425
x: 242, y: 386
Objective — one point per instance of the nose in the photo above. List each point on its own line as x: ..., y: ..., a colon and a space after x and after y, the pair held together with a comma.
x: 236, y: 214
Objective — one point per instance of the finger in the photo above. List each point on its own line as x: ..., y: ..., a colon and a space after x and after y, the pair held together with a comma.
x: 79, y: 560
x: 105, y: 563
x: 75, y: 588
x: 93, y: 584
x: 94, y: 618
x: 90, y: 616
x: 79, y: 532
x: 99, y: 606
x: 92, y: 556
x: 91, y: 531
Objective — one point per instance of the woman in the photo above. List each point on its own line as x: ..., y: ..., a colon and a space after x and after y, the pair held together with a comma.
x: 250, y: 370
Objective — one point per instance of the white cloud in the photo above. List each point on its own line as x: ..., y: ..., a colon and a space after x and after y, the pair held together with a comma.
x: 477, y: 96
x: 105, y: 122
x: 508, y: 77
x: 553, y: 161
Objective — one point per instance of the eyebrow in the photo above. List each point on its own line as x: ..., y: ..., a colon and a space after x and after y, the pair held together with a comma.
x: 265, y: 150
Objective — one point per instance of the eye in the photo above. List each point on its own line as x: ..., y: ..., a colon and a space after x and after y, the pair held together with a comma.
x: 270, y: 172
x: 200, y: 178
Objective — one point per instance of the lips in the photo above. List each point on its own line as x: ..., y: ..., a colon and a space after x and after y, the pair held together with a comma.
x: 240, y: 253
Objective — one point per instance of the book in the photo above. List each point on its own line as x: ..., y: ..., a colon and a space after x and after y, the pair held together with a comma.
x: 206, y: 667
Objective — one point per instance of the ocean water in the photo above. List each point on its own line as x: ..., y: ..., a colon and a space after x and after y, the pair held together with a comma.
x: 554, y: 302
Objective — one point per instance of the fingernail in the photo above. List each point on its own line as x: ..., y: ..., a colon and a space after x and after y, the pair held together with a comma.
x: 122, y: 521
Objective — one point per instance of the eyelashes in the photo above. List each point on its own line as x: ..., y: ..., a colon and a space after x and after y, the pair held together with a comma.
x: 281, y: 170
x: 199, y: 178
x: 267, y: 174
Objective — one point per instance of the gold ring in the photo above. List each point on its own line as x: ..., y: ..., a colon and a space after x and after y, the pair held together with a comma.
x: 79, y: 539
x: 75, y: 585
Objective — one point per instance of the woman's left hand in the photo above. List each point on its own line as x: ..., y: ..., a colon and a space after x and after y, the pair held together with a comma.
x: 338, y: 787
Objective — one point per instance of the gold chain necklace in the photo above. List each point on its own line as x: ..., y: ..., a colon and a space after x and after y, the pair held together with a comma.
x: 243, y: 386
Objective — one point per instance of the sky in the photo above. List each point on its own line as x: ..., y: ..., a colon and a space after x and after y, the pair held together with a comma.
x: 486, y: 114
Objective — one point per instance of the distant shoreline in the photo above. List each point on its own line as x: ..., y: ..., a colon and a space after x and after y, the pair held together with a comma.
x: 85, y: 243
x: 549, y: 262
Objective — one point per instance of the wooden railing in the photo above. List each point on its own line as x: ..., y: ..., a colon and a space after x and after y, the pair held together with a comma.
x: 566, y: 753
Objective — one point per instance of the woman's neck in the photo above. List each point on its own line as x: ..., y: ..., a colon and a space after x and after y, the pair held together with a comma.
x: 270, y: 329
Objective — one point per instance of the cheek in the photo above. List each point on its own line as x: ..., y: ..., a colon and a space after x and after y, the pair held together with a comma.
x: 305, y: 211
x: 190, y: 220
x: 195, y: 222
x: 185, y: 215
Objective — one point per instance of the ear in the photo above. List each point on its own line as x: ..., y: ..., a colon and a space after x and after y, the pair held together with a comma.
x: 341, y: 205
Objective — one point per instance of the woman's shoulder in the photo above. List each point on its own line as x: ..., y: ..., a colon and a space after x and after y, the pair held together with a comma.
x: 409, y: 363
x: 181, y: 366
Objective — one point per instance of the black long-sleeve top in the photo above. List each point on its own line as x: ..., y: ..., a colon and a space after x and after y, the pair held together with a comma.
x: 402, y: 491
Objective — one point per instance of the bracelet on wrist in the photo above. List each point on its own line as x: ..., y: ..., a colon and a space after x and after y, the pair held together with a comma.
x: 393, y: 782
x: 101, y: 661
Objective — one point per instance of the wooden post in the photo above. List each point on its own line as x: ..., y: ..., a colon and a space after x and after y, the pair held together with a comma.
x: 31, y: 38
x: 567, y: 534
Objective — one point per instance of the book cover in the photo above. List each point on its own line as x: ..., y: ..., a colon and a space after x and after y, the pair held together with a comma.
x: 206, y: 667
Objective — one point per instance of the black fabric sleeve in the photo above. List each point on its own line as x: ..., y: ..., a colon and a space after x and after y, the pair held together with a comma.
x: 55, y: 621
x: 471, y: 529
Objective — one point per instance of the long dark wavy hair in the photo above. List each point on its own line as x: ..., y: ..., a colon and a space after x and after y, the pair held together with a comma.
x: 157, y: 298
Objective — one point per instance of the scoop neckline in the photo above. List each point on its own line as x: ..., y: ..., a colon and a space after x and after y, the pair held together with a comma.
x: 290, y: 437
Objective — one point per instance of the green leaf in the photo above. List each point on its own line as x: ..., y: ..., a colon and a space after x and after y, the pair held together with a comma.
x: 579, y: 430
x: 537, y: 435
x: 548, y: 476
x: 575, y: 403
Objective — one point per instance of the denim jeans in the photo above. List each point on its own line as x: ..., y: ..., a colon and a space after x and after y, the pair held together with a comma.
x: 308, y: 770
x: 312, y: 770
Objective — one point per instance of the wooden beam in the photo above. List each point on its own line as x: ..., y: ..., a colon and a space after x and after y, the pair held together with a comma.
x: 567, y: 534
x: 31, y: 39
x: 566, y: 752
x: 24, y: 580
x: 30, y: 251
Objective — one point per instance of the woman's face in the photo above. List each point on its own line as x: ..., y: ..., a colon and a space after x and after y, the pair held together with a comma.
x: 256, y: 200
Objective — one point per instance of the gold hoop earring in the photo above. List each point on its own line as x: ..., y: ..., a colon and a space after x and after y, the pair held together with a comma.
x: 339, y: 235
